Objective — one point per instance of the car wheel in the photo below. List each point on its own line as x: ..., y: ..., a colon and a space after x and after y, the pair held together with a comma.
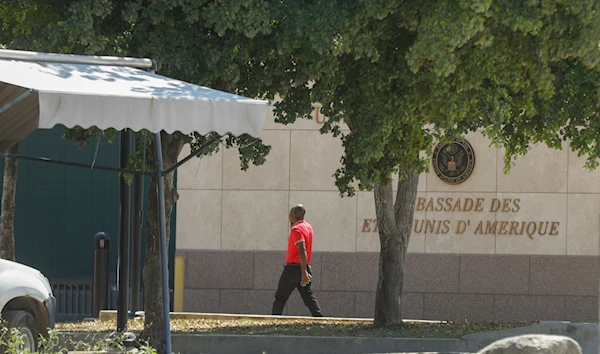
x: 27, y: 326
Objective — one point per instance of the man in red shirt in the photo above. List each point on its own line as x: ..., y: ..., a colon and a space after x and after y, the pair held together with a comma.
x: 296, y: 272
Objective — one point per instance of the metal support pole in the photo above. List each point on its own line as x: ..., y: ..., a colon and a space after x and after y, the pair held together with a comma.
x: 142, y: 63
x: 75, y: 164
x: 16, y: 100
x: 163, y: 241
x: 124, y: 216
x: 193, y: 154
x: 136, y: 243
x: 100, y: 285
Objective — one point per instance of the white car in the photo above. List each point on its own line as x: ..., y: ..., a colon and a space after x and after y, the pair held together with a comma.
x: 26, y: 302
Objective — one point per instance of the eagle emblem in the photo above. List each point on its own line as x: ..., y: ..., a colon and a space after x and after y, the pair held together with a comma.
x: 453, y: 163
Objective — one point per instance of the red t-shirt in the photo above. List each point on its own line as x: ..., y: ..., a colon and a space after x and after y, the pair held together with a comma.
x: 300, y: 231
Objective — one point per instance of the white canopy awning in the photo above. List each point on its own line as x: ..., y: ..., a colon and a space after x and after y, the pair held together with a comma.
x: 43, y: 94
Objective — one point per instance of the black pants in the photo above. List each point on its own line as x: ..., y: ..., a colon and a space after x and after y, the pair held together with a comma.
x: 290, y: 280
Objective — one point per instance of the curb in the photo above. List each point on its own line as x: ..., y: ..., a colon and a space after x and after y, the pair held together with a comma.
x: 111, y: 315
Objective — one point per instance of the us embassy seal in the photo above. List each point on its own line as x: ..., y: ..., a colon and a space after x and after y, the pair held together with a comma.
x: 453, y: 163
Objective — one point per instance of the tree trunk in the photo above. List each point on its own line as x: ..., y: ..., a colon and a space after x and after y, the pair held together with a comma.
x: 153, y: 300
x: 7, y: 219
x: 394, y: 222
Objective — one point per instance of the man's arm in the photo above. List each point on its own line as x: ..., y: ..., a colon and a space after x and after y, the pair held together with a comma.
x: 303, y: 262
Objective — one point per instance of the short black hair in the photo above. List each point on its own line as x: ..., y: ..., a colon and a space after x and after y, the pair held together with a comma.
x: 298, y: 210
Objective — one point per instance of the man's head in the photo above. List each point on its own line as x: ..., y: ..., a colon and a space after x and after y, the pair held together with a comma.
x: 297, y: 213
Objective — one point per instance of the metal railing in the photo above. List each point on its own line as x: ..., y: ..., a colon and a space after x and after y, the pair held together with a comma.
x: 74, y: 299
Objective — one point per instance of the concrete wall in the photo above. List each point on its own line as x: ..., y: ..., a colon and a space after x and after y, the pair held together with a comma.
x: 448, y: 286
x: 232, y: 229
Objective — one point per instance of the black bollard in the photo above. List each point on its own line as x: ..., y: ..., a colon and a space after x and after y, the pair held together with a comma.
x: 100, y: 286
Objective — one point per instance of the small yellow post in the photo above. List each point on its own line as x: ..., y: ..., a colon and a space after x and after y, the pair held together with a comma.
x: 178, y: 291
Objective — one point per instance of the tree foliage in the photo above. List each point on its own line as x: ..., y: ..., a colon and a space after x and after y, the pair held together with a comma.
x: 400, y: 73
x: 403, y: 73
